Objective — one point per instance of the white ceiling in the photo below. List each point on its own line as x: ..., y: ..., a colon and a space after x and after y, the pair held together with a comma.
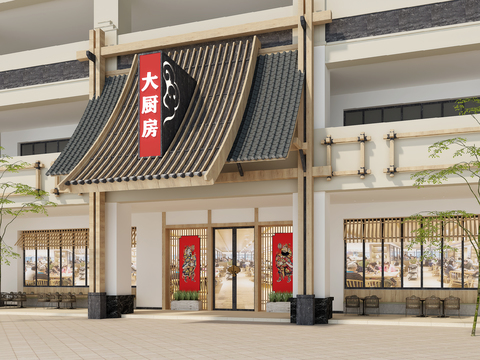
x: 33, y: 24
x: 405, y: 73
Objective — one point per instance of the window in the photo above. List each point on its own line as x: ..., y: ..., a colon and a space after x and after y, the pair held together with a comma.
x: 379, y: 253
x: 55, y: 257
x: 401, y: 112
x: 43, y: 147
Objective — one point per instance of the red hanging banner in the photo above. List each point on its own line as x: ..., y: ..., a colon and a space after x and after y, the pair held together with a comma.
x: 282, y: 260
x: 189, y: 255
x: 150, y: 92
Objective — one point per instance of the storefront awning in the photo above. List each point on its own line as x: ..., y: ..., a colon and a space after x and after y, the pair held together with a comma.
x: 244, y: 109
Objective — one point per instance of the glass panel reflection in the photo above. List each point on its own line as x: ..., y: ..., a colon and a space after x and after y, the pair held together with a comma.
x: 246, y: 277
x: 354, y: 275
x: 373, y: 262
x: 432, y: 265
x: 42, y: 266
x: 392, y: 267
x: 54, y: 267
x: 223, y: 260
x: 452, y: 269
x: 80, y: 274
x: 67, y: 267
x: 470, y: 266
x: 30, y: 268
x: 411, y: 265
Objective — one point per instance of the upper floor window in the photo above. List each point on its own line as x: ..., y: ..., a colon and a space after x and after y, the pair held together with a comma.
x: 401, y: 112
x: 43, y: 147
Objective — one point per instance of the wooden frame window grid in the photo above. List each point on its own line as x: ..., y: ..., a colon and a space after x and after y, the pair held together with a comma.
x: 387, y: 230
x: 43, y: 147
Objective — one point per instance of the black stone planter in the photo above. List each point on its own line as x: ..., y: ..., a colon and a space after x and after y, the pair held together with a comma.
x: 119, y: 304
x: 97, y: 308
x: 323, y: 310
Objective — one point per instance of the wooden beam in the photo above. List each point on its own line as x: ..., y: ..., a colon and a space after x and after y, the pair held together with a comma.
x: 117, y: 72
x: 91, y: 242
x: 99, y: 61
x: 260, y: 175
x: 91, y: 65
x: 278, y: 49
x: 349, y: 172
x: 418, y: 168
x: 249, y: 29
x: 166, y: 264
x: 352, y: 139
x: 416, y: 134
x: 28, y: 167
x: 257, y: 243
x: 298, y: 144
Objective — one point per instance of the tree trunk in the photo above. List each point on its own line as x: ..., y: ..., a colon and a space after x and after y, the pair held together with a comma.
x: 474, y: 327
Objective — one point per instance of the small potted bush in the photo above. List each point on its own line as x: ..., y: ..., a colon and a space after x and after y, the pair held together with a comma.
x: 186, y: 301
x: 278, y: 302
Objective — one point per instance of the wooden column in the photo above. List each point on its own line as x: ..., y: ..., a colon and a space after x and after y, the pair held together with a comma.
x: 301, y: 174
x: 99, y: 62
x: 210, y: 264
x: 257, y: 245
x: 309, y: 9
x: 97, y: 242
x: 166, y: 264
x: 91, y: 66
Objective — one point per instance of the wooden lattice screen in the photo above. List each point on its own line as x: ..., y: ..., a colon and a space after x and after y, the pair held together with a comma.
x: 267, y: 233
x: 174, y: 236
x: 54, y: 239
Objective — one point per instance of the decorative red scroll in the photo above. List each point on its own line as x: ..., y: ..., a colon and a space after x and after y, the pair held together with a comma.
x: 189, y: 271
x: 282, y: 260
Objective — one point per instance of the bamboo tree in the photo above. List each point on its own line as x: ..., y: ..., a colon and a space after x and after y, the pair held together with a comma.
x: 430, y: 231
x: 11, y: 210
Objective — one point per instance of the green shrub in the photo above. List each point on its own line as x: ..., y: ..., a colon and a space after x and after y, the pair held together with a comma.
x: 181, y: 295
x: 194, y: 295
x: 279, y: 296
x: 272, y: 297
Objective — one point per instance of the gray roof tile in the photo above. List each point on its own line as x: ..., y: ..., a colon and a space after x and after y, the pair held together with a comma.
x: 269, y: 119
x: 91, y: 124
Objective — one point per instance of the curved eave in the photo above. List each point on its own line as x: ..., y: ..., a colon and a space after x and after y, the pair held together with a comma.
x: 199, y: 151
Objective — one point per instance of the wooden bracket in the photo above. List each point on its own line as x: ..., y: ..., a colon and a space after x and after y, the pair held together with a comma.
x: 361, y: 139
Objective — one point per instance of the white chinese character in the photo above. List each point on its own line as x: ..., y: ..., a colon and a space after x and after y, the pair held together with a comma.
x: 150, y: 104
x: 149, y: 128
x: 149, y: 81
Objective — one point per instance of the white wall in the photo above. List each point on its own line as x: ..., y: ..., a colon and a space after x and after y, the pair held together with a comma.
x: 279, y: 213
x: 118, y: 253
x: 344, y: 8
x: 338, y: 212
x: 149, y: 259
x: 12, y: 276
x: 11, y: 140
x: 233, y: 215
x: 397, y: 96
x: 187, y: 217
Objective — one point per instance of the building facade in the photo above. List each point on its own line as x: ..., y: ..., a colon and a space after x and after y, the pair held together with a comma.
x: 302, y: 128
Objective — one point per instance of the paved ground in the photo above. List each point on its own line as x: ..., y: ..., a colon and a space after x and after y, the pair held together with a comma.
x: 52, y: 337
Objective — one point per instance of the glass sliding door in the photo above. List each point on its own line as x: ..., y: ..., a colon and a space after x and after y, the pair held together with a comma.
x: 234, y: 269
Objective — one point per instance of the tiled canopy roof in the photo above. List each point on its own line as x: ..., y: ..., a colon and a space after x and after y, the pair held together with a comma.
x: 224, y: 73
x: 91, y: 124
x: 269, y: 120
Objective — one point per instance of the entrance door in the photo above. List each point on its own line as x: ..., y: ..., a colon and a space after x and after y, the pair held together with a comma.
x: 234, y: 269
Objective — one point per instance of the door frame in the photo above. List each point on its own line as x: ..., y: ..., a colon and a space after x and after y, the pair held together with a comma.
x: 234, y: 257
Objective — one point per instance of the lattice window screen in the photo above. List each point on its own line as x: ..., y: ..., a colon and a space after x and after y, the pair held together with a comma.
x: 54, y: 239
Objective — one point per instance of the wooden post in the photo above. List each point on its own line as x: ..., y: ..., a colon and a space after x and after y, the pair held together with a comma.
x: 309, y: 49
x: 91, y: 66
x: 257, y: 243
x: 100, y: 242
x: 362, y: 155
x: 210, y: 264
x: 392, y: 153
x: 99, y: 62
x: 91, y: 242
x: 166, y: 264
x: 301, y: 174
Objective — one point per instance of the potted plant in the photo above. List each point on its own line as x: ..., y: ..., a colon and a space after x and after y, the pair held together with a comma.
x: 186, y: 301
x: 278, y: 302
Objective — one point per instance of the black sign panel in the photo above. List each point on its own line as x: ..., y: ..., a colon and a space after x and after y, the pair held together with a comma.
x: 177, y: 91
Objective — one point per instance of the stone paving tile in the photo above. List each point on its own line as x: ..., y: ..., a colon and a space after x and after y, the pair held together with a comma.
x: 72, y: 338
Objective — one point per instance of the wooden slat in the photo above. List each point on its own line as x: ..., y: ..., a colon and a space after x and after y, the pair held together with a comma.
x: 418, y: 168
x: 221, y: 157
x: 99, y: 62
x: 249, y: 29
x: 105, y: 132
x: 416, y: 134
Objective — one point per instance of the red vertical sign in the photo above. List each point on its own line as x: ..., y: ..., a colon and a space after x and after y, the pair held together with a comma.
x: 149, y: 89
x: 282, y: 260
x: 189, y: 272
